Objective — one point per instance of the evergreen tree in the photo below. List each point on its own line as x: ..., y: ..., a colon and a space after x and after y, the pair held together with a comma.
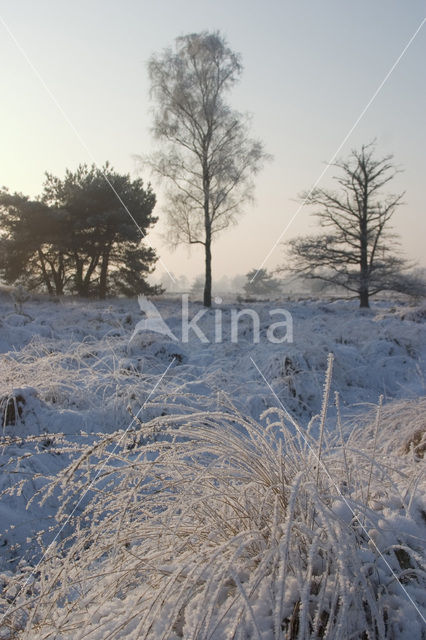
x: 261, y: 283
x: 83, y: 235
x: 31, y: 245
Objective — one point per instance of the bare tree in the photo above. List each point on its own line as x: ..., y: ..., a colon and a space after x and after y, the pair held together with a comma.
x: 206, y: 153
x: 357, y: 252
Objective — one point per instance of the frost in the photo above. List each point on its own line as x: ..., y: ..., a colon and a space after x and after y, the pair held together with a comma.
x: 201, y: 506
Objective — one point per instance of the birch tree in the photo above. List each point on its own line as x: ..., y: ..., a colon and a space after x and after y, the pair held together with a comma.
x: 205, y: 151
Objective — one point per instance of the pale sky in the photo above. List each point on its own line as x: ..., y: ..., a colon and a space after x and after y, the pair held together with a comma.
x: 310, y: 69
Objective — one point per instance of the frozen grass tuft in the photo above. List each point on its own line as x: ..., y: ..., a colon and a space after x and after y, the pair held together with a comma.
x: 402, y: 432
x: 223, y: 527
x: 93, y: 384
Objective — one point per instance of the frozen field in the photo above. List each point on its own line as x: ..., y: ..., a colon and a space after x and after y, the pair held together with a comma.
x: 204, y: 517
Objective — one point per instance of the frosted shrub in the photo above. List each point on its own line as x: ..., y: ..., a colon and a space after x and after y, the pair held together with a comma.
x: 221, y: 527
x: 19, y: 296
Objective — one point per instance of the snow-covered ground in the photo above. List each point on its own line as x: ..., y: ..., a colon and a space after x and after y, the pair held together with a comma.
x: 69, y: 370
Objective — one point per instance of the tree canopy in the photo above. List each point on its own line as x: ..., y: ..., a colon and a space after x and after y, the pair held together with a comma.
x: 259, y: 282
x: 77, y: 237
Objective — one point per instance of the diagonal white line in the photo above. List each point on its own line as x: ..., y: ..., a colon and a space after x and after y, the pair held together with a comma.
x: 75, y: 131
x: 320, y: 462
x: 90, y: 486
x: 339, y: 148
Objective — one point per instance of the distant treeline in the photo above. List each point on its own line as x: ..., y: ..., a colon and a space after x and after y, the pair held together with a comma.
x: 83, y: 235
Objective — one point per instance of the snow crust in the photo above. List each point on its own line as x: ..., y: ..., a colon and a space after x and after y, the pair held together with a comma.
x: 72, y: 383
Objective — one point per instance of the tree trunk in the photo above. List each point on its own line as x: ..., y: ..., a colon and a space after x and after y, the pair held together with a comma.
x: 363, y: 298
x: 57, y: 274
x: 208, y: 280
x: 104, y: 274
x: 208, y: 231
x: 364, y: 275
x: 85, y: 283
x: 44, y: 273
x: 60, y: 276
x: 59, y: 288
x: 78, y: 276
